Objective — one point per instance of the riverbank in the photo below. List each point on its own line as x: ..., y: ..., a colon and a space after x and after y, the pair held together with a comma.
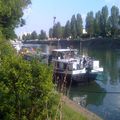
x: 102, y: 43
x: 92, y: 43
x: 77, y: 108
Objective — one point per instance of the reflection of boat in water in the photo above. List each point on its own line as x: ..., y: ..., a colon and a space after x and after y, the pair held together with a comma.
x: 88, y: 94
x: 67, y: 64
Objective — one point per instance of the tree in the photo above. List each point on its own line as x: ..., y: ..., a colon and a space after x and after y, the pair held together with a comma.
x: 97, y: 24
x: 24, y: 37
x: 73, y: 27
x: 57, y: 30
x: 114, y: 19
x: 26, y: 88
x: 11, y: 14
x: 42, y: 35
x: 119, y: 26
x: 90, y: 24
x: 67, y: 31
x: 79, y: 25
x: 62, y: 31
x: 109, y: 27
x: 50, y: 33
x: 104, y: 20
x: 34, y: 35
x: 28, y: 36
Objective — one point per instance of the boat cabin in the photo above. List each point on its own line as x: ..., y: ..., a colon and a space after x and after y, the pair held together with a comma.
x: 65, y: 64
x: 68, y: 63
x: 64, y: 53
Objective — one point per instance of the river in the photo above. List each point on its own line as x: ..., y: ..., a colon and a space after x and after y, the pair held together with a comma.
x: 103, y: 95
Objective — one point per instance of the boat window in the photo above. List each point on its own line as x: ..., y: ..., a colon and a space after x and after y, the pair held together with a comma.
x: 61, y: 65
x: 58, y: 66
x: 72, y: 54
x: 54, y: 55
x: 65, y: 66
x: 74, y: 66
x: 78, y: 66
x: 60, y: 55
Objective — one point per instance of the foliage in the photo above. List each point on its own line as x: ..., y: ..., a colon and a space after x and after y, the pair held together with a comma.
x: 71, y: 114
x: 34, y: 35
x: 90, y: 24
x: 103, y: 24
x: 57, y: 30
x: 42, y: 35
x: 11, y: 12
x: 50, y: 33
x: 26, y: 37
x: 26, y: 88
x: 97, y: 29
x: 103, y: 21
x: 73, y: 27
x: 79, y: 25
x: 114, y: 20
x: 67, y: 31
x: 62, y: 31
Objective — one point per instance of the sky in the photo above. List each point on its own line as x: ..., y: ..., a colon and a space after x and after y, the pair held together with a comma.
x: 39, y: 15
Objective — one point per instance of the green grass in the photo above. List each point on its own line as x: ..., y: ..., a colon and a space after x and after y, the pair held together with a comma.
x: 70, y: 114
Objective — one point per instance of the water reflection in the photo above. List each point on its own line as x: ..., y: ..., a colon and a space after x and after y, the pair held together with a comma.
x: 109, y: 105
x: 110, y: 60
x: 94, y: 93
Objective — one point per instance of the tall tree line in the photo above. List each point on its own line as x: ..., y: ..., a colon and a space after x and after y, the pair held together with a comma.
x: 72, y: 29
x: 102, y: 23
x: 33, y: 36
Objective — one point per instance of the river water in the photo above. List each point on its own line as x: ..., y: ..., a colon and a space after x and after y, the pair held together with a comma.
x: 103, y: 95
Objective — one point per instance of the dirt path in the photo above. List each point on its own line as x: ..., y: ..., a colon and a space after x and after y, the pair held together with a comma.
x: 89, y: 115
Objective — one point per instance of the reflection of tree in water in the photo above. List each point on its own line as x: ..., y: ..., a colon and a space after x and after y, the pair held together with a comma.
x: 93, y: 93
x: 110, y: 61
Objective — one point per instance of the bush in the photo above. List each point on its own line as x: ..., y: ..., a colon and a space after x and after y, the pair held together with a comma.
x: 26, y: 88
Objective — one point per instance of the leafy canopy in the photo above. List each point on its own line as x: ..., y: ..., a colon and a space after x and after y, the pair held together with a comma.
x: 11, y: 12
x: 26, y: 88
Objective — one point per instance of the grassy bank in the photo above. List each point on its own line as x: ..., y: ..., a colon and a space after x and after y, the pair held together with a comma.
x: 66, y: 109
x: 71, y: 114
x: 73, y: 111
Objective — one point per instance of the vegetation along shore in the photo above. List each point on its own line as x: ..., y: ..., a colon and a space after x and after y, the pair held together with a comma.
x: 27, y: 91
